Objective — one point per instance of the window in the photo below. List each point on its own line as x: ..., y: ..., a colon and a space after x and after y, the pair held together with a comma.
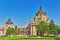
x: 39, y: 18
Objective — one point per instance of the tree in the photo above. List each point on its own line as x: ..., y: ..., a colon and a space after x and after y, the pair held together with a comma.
x: 56, y: 29
x: 16, y: 30
x: 53, y: 28
x: 46, y: 29
x: 11, y: 31
x: 42, y: 27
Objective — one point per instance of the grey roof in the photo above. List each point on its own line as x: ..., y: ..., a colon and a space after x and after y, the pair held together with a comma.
x: 9, y: 21
x: 41, y: 11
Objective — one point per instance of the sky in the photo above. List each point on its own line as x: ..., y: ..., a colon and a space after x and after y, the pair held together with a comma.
x: 22, y: 11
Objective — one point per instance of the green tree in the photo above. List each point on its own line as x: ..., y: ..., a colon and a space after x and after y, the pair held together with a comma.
x: 46, y: 29
x: 42, y: 27
x: 53, y: 28
x: 16, y: 30
x: 11, y: 31
x: 56, y: 29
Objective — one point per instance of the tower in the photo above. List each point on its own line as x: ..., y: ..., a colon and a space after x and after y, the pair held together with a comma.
x: 41, y: 15
x: 9, y: 23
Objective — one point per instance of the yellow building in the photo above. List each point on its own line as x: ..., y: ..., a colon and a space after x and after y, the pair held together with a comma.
x: 22, y: 31
x: 40, y: 16
x: 31, y: 29
x: 10, y: 24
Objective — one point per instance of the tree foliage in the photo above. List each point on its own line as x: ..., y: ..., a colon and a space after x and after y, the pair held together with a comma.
x: 42, y: 27
x: 11, y: 31
x: 53, y: 28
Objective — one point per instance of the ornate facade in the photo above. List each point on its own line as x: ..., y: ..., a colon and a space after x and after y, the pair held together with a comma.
x: 31, y: 29
x: 40, y: 16
x: 10, y: 24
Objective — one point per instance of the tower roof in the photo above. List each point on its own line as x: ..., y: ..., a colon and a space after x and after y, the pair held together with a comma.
x: 41, y: 12
x: 9, y: 21
x: 41, y: 8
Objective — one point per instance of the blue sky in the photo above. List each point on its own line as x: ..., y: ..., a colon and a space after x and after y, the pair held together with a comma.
x: 22, y: 11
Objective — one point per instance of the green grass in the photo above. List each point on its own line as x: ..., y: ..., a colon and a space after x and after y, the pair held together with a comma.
x: 28, y: 38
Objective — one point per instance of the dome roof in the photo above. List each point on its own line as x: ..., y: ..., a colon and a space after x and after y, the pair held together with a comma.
x: 41, y: 12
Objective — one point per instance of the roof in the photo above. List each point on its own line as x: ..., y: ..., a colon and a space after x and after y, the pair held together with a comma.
x: 41, y: 12
x: 9, y: 21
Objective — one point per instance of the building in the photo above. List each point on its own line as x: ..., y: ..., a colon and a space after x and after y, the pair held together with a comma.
x: 31, y: 29
x: 8, y: 24
x: 22, y: 31
x: 40, y: 16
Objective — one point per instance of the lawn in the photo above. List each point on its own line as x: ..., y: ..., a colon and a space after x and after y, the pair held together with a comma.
x: 28, y: 38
